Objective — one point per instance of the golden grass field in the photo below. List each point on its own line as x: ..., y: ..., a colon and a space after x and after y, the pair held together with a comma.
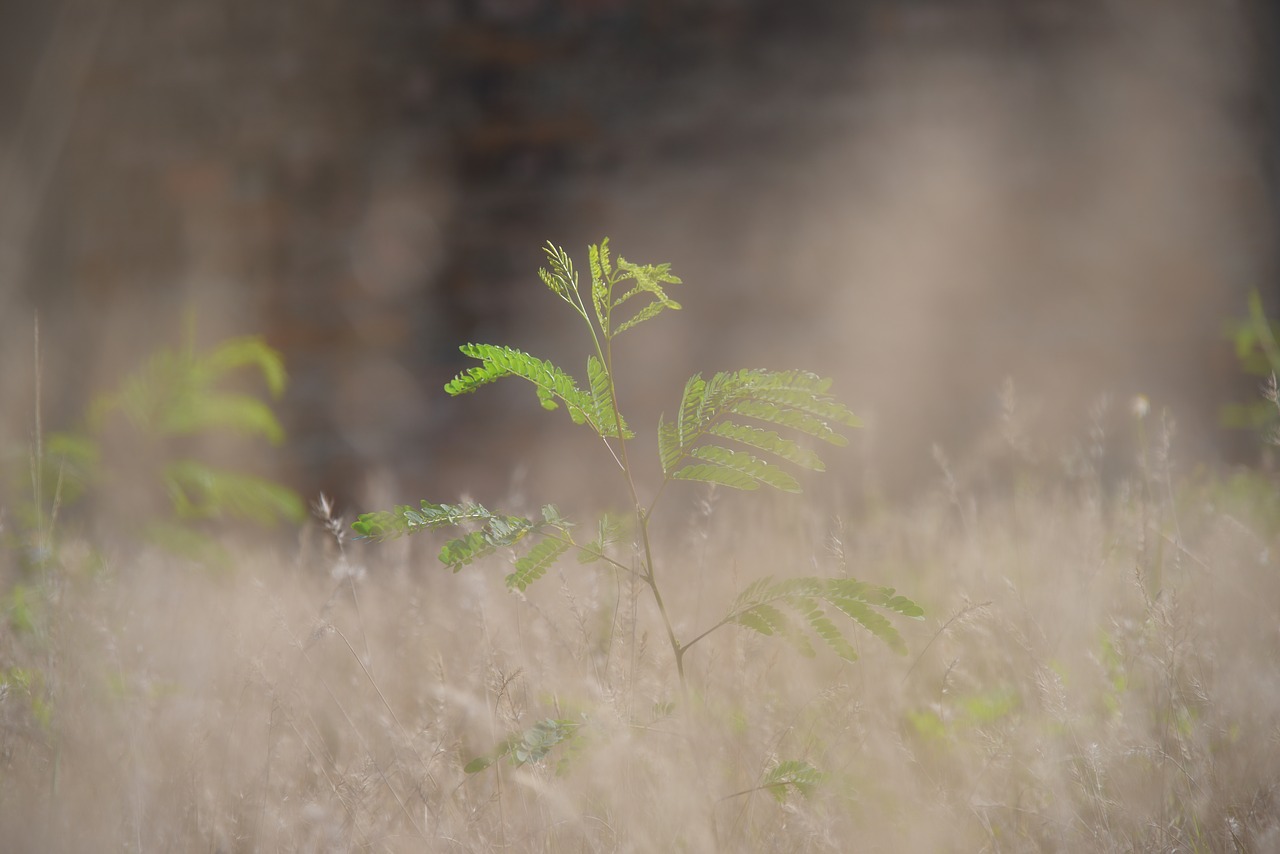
x: 1098, y: 670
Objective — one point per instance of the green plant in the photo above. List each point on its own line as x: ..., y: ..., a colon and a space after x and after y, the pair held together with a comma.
x: 141, y: 439
x: 179, y: 393
x: 1254, y: 338
x: 725, y: 432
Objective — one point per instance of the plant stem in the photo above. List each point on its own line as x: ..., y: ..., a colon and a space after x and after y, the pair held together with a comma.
x: 642, y: 515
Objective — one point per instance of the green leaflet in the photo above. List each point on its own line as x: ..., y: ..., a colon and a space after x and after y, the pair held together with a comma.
x: 649, y: 279
x: 792, y: 774
x: 550, y: 381
x: 797, y: 400
x: 386, y: 525
x: 670, y: 449
x: 174, y: 393
x: 600, y: 282
x: 692, y: 407
x: 535, y: 564
x: 759, y: 608
x: 531, y: 745
x: 721, y: 475
x: 824, y: 628
x: 782, y: 417
x: 873, y: 622
x: 746, y: 464
x: 496, y: 531
x: 883, y: 597
x: 561, y: 278
x: 459, y: 552
x: 646, y: 279
x: 609, y: 529
x: 234, y: 412
x: 602, y: 406
x: 768, y: 440
x: 765, y: 619
x: 199, y: 491
x: 498, y: 362
x: 246, y: 352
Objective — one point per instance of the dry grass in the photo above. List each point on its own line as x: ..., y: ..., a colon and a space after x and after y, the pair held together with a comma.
x: 1052, y: 701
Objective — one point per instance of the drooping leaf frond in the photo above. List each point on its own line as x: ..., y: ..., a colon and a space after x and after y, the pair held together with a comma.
x: 176, y: 392
x: 199, y: 491
x: 236, y: 413
x: 244, y: 352
x: 552, y: 384
x: 763, y: 607
x: 711, y: 410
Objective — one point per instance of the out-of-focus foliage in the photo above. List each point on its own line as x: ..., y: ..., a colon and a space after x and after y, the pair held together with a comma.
x: 1258, y: 355
x: 142, y: 441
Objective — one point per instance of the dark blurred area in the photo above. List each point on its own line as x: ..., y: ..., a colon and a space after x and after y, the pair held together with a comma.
x: 920, y: 198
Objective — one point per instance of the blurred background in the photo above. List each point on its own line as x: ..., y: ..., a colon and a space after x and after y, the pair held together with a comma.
x: 933, y: 202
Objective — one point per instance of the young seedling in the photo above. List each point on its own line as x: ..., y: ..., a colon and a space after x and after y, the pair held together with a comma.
x: 725, y: 432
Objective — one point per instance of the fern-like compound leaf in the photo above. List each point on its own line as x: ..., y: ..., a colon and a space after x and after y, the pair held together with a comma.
x: 792, y: 774
x: 535, y: 564
x: 747, y: 464
x: 237, y: 413
x: 499, y: 531
x: 199, y: 491
x: 881, y: 597
x: 459, y: 552
x: 553, y: 384
x: 649, y: 312
x: 609, y: 530
x: 824, y: 628
x: 669, y: 447
x: 768, y: 440
x: 689, y: 427
x: 648, y: 279
x: 796, y: 400
x: 247, y: 351
x: 872, y: 622
x: 781, y: 416
x: 765, y: 619
x: 760, y: 607
x: 538, y: 740
x: 561, y: 278
x: 495, y: 531
x: 601, y: 282
x: 551, y: 515
x: 603, y: 411
x: 717, y: 474
x: 386, y: 525
x: 531, y: 745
